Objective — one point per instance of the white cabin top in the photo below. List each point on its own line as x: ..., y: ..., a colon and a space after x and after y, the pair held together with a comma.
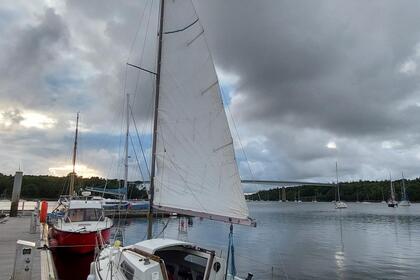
x: 152, y: 245
x: 85, y: 204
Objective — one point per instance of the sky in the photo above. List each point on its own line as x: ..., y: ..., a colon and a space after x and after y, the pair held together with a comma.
x: 306, y: 83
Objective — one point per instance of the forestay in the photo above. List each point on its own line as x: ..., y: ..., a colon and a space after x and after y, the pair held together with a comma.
x: 196, y: 171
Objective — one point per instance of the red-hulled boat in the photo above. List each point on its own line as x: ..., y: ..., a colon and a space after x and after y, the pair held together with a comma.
x: 83, y: 227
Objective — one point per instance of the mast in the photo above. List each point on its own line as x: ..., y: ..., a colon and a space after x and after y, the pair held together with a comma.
x: 153, y: 164
x: 404, y: 195
x: 73, y: 173
x: 392, y: 188
x: 126, y: 148
x: 338, y: 186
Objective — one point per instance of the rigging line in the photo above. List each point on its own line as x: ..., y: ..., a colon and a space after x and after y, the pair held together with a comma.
x: 142, y: 50
x: 182, y: 29
x: 120, y: 138
x: 141, y: 68
x: 141, y: 146
x: 163, y: 228
x: 137, y: 159
x: 239, y: 139
x: 137, y: 32
x: 178, y: 170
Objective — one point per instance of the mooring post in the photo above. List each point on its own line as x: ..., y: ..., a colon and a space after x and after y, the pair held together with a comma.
x: 17, y: 186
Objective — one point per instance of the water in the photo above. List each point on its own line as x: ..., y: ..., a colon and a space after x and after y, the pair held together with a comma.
x: 311, y: 240
x: 299, y: 241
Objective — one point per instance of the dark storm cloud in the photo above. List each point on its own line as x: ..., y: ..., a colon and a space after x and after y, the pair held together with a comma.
x: 26, y: 63
x: 312, y: 72
x: 307, y: 73
x: 331, y: 65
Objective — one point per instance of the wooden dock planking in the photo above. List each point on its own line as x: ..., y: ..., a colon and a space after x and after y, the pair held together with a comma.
x: 10, y: 231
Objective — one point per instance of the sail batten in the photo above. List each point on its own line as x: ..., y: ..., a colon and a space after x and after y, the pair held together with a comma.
x: 196, y: 170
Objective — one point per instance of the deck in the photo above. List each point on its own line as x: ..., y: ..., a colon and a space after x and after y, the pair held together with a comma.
x: 12, y: 230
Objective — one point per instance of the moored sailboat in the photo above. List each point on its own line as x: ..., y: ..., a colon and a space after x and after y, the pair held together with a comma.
x: 339, y: 204
x: 193, y: 169
x: 404, y: 198
x: 392, y: 202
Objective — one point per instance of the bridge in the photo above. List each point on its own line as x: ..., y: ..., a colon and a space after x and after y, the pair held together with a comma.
x: 283, y: 184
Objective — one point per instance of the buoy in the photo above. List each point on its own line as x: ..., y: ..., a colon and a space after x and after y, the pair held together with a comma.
x: 43, y: 213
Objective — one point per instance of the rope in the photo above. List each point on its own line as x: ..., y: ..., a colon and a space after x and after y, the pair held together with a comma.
x: 137, y: 159
x: 140, y: 143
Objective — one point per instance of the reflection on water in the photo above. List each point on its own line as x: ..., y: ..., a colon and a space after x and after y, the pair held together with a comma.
x: 309, y: 240
x: 72, y: 266
x: 312, y: 240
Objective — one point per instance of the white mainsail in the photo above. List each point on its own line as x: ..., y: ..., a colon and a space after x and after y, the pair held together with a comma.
x: 196, y: 171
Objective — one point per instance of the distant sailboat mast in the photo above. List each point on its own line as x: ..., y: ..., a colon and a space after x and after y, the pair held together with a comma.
x: 338, y: 185
x: 404, y: 199
x: 404, y: 194
x: 392, y: 188
x: 73, y: 174
x: 338, y: 204
x: 126, y: 148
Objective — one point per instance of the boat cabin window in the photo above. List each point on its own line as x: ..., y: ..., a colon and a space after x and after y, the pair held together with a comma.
x: 183, y: 265
x: 81, y: 215
x: 127, y: 270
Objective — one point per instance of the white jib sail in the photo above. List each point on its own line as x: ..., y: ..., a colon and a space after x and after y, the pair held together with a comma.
x: 196, y: 170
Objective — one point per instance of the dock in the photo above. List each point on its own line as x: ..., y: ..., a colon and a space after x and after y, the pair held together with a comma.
x: 18, y: 228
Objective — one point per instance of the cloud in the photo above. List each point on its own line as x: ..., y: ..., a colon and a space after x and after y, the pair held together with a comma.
x: 299, y: 77
x: 311, y: 72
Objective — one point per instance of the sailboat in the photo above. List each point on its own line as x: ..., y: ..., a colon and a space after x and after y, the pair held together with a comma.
x: 121, y: 203
x: 392, y: 202
x: 193, y: 167
x: 339, y: 204
x: 383, y: 197
x: 83, y: 226
x: 404, y: 199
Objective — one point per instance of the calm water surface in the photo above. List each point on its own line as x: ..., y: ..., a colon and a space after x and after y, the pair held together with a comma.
x: 311, y: 240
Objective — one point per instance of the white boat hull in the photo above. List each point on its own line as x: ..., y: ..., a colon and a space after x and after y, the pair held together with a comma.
x: 340, y: 205
x: 404, y: 203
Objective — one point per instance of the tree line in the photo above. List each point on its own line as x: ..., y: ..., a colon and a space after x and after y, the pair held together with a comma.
x: 349, y: 191
x: 51, y: 187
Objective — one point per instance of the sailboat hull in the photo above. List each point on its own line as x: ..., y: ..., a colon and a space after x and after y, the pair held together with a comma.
x: 340, y: 205
x: 404, y: 203
x: 392, y: 204
x: 80, y: 242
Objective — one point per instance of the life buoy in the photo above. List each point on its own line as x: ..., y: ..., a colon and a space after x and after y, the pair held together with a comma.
x: 43, y: 213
